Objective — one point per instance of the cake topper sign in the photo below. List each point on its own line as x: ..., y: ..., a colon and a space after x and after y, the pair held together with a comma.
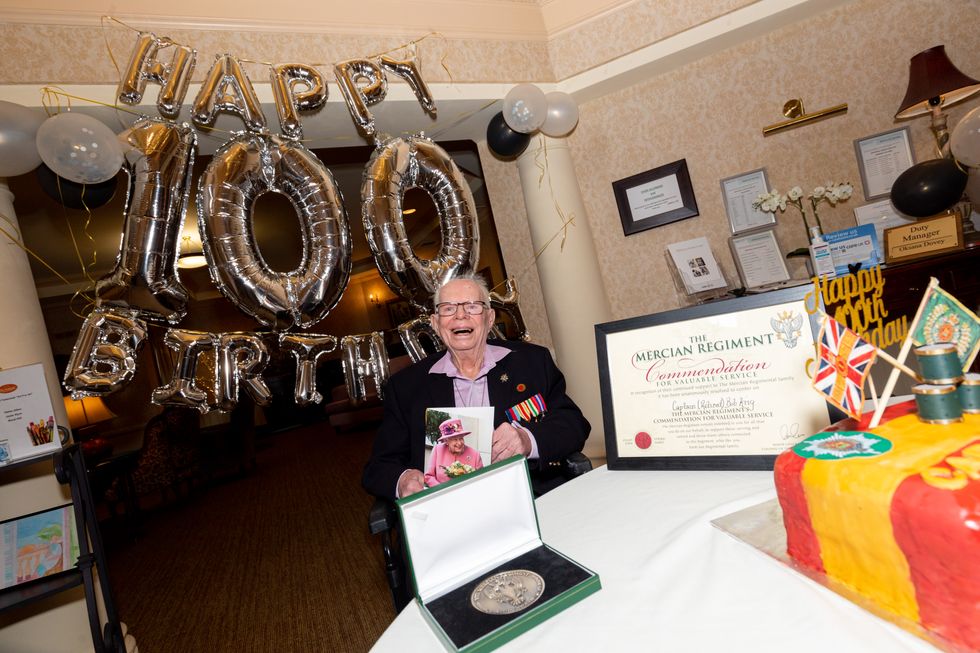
x: 857, y: 302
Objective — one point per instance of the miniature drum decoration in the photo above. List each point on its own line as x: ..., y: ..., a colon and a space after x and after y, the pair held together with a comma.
x: 969, y: 392
x: 938, y: 404
x: 940, y: 364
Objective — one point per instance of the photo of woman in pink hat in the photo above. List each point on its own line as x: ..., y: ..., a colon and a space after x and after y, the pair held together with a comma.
x: 451, y: 457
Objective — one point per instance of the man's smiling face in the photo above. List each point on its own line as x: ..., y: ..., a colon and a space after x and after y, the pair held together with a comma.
x: 463, y: 332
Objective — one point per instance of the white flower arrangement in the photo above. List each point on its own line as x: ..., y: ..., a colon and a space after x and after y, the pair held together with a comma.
x: 831, y: 192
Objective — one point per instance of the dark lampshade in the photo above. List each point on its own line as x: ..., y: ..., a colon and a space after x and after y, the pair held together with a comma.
x: 932, y: 75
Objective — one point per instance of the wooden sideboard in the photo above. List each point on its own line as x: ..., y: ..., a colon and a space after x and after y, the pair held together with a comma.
x: 957, y: 273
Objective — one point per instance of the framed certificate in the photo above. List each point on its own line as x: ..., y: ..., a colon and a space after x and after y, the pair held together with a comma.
x: 705, y: 387
x: 655, y: 197
x: 881, y: 159
x: 758, y: 258
x: 739, y: 192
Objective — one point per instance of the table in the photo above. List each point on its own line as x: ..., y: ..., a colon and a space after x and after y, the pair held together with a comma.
x: 673, y: 582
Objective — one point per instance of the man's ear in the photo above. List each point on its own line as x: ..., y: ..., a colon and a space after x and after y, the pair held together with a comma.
x: 433, y: 320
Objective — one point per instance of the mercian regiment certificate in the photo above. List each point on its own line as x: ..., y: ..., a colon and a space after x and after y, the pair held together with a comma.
x: 728, y: 384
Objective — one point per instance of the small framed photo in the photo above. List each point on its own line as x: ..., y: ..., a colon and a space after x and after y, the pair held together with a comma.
x: 758, y: 258
x: 655, y: 197
x: 739, y: 192
x: 882, y: 158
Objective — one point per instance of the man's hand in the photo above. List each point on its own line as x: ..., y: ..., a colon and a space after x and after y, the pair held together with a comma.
x: 509, y: 440
x: 410, y: 482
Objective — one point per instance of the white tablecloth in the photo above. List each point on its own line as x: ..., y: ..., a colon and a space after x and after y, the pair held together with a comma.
x: 673, y: 582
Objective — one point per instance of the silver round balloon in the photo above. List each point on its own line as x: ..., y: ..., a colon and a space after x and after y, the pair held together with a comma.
x: 105, y: 353
x: 307, y: 348
x: 79, y: 148
x: 242, y: 170
x: 286, y: 80
x: 182, y: 389
x: 240, y: 359
x: 525, y: 108
x: 358, y: 368
x: 394, y: 168
x: 227, y: 88
x: 18, y: 138
x: 159, y: 158
x: 562, y: 114
x: 360, y: 97
x: 145, y: 66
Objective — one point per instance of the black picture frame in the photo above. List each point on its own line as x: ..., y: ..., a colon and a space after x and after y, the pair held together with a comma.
x: 777, y: 298
x: 648, y: 180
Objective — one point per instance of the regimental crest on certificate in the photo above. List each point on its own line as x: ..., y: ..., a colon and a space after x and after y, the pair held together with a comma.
x: 476, y: 423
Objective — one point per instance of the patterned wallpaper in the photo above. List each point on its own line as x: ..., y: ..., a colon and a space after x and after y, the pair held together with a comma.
x: 635, y: 25
x: 79, y: 54
x: 711, y: 113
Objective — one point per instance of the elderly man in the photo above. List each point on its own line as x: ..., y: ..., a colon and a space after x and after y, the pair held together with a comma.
x: 472, y: 372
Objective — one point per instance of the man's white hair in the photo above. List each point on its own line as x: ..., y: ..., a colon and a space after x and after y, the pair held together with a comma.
x: 473, y: 277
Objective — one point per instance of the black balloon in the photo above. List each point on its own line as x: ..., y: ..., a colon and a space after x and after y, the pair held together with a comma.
x: 504, y: 141
x: 928, y: 188
x: 71, y: 193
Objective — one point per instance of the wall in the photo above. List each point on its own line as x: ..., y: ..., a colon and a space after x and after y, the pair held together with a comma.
x: 711, y: 113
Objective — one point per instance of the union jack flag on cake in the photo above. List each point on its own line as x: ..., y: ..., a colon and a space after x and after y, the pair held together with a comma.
x: 843, y: 363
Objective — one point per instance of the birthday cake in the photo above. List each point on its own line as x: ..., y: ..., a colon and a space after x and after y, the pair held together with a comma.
x: 893, y: 514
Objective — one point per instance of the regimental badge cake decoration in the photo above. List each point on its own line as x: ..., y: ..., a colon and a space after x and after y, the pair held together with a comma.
x: 842, y: 444
x: 507, y: 592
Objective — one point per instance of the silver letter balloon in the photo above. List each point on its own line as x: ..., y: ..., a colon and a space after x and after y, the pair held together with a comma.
x: 394, y: 168
x: 242, y: 170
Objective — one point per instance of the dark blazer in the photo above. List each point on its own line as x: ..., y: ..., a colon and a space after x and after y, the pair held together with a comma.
x: 400, y: 441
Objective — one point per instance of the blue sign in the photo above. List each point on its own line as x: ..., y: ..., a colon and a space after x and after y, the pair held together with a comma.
x: 852, y: 246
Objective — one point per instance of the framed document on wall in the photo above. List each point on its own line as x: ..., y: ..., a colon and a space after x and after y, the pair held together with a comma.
x: 655, y: 197
x: 739, y: 192
x: 882, y: 158
x: 705, y: 387
x: 758, y: 258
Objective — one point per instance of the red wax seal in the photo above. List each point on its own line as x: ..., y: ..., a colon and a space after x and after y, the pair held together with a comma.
x: 7, y: 388
x: 643, y: 440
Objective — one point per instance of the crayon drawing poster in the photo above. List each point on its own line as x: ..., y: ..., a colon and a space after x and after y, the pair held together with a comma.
x: 27, y: 424
x: 37, y: 545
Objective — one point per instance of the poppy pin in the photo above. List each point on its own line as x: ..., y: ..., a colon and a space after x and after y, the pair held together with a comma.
x: 521, y: 387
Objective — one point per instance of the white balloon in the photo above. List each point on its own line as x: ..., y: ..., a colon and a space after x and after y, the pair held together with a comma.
x: 79, y: 148
x: 562, y: 114
x: 964, y: 142
x: 18, y: 131
x: 973, y: 188
x: 525, y: 108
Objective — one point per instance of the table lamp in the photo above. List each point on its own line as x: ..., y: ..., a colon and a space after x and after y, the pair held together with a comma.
x: 86, y: 412
x: 935, y: 83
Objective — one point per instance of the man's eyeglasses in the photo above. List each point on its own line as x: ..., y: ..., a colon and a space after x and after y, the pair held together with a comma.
x: 449, y: 309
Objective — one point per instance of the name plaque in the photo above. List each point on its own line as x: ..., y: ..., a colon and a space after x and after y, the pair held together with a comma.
x: 924, y: 238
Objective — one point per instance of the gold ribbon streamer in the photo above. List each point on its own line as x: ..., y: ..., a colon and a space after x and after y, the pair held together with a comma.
x: 18, y: 240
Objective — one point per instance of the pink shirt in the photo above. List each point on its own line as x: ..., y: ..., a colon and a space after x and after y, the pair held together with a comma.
x: 474, y: 392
